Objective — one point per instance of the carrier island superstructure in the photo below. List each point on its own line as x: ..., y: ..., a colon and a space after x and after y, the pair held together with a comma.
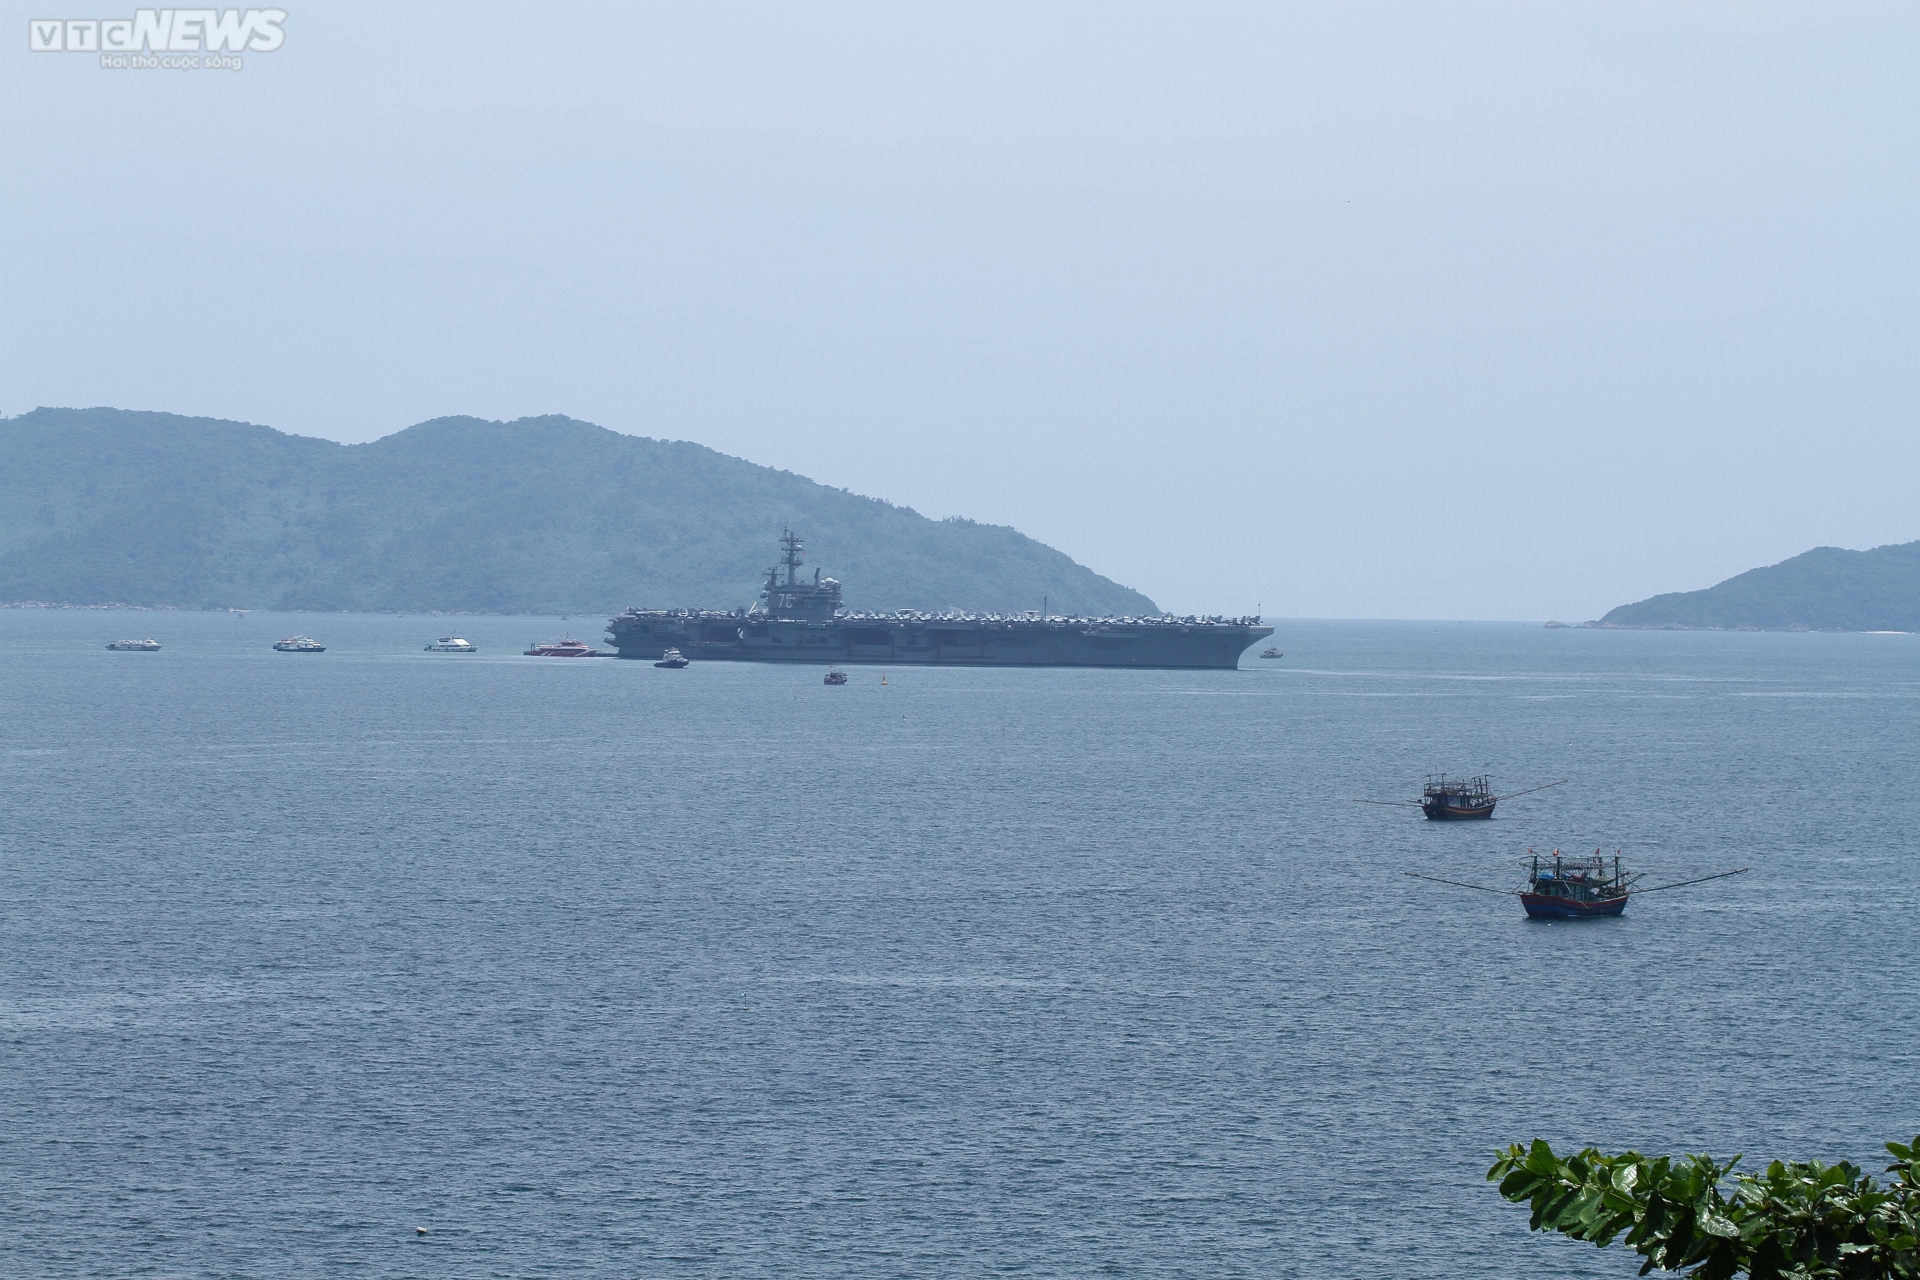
x: 797, y: 620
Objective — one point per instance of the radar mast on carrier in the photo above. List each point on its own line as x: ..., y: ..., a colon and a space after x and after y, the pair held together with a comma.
x: 795, y: 599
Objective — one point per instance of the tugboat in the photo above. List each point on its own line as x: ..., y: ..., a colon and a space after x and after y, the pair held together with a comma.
x: 672, y: 659
x: 452, y: 644
x: 1446, y: 798
x: 835, y: 677
x: 563, y: 649
x: 300, y: 644
x: 1582, y: 888
x: 136, y: 646
x: 1271, y: 653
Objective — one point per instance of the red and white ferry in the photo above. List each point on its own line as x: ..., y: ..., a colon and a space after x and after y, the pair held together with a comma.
x: 563, y: 649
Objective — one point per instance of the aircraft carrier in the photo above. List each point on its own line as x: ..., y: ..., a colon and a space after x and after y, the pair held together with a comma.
x: 800, y: 621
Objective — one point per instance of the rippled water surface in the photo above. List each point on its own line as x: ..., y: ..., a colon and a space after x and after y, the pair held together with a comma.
x: 597, y: 970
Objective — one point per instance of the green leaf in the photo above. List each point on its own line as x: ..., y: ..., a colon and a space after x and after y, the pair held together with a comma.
x: 1520, y: 1185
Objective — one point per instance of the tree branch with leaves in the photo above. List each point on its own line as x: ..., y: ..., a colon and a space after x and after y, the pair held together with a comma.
x: 1795, y: 1221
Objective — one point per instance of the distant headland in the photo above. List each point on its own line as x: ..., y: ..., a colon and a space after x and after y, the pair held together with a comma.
x: 1826, y: 589
x: 539, y: 516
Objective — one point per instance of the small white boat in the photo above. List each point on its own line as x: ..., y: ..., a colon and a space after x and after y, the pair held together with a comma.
x: 300, y: 644
x: 672, y: 659
x: 136, y: 646
x: 452, y: 644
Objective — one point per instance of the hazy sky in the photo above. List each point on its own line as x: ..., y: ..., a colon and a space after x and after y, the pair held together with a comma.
x: 1400, y: 310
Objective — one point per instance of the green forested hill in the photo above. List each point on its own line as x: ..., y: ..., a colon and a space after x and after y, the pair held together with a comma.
x: 537, y: 516
x: 1826, y: 589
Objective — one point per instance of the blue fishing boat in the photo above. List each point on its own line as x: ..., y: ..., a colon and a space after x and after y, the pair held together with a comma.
x: 1563, y: 888
x: 1579, y: 888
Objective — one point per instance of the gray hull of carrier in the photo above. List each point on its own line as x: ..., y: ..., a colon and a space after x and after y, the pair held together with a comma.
x: 937, y: 641
x: 800, y: 621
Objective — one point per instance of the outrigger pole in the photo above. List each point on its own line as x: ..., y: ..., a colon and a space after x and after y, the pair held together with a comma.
x: 1460, y: 884
x: 1530, y: 790
x: 1681, y: 884
x: 1412, y: 804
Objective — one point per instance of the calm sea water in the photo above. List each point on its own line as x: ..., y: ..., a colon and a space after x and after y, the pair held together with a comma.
x: 597, y: 970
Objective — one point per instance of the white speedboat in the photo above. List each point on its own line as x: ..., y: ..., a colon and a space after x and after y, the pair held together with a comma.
x: 136, y: 646
x: 452, y: 644
x: 300, y: 644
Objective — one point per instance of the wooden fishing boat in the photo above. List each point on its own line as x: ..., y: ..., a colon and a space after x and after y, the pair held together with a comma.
x: 1575, y: 888
x: 1458, y: 798
x: 1444, y: 799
